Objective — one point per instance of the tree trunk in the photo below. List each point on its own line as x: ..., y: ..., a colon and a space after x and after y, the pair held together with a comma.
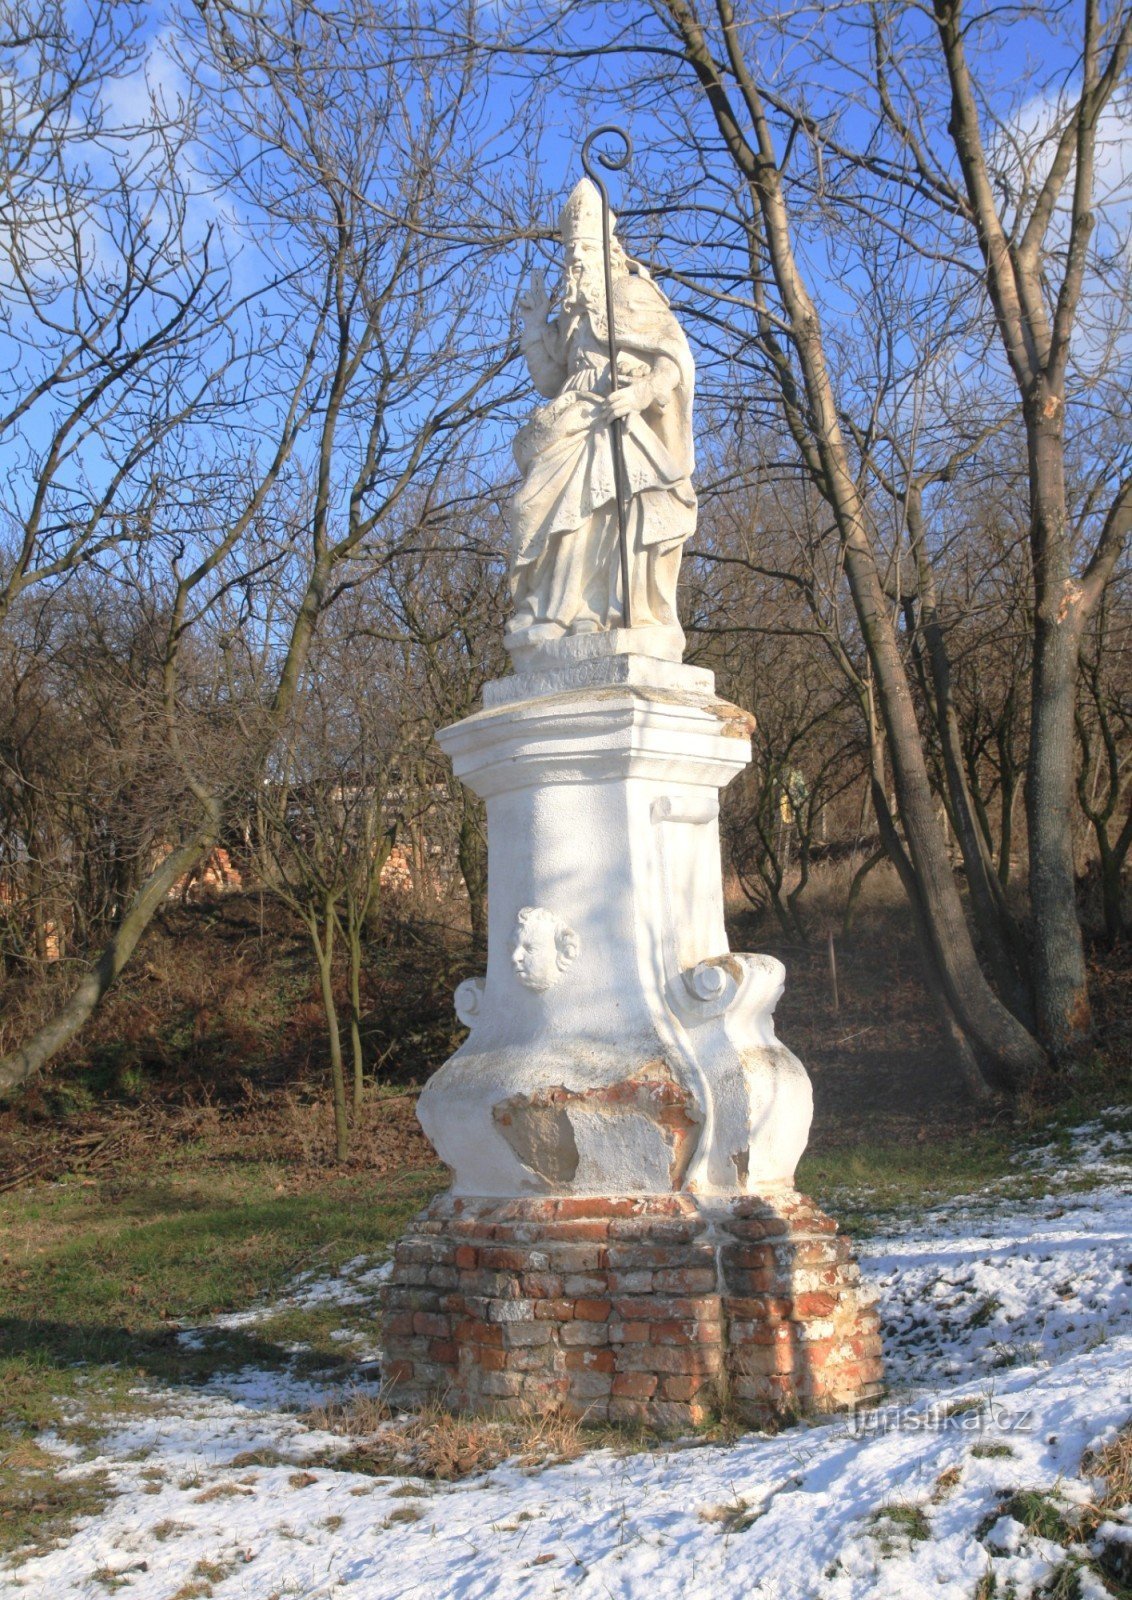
x: 1112, y: 892
x: 1061, y: 994
x: 1010, y: 1054
x: 1006, y: 830
x: 1036, y: 318
x: 324, y: 956
x: 355, y: 949
x: 1111, y: 854
x: 20, y: 1064
x: 857, y: 883
x: 473, y: 866
x: 971, y: 1071
x: 1000, y: 938
x: 1007, y: 1051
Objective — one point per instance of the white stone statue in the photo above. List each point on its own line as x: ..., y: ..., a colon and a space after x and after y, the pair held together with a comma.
x: 565, y: 566
x: 616, y: 1045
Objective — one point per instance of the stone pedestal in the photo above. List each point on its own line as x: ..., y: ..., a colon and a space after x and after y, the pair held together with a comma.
x: 622, y: 1123
x: 661, y: 1309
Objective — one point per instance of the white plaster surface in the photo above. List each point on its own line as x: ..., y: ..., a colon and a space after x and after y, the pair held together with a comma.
x: 598, y: 660
x: 650, y: 1061
x: 655, y: 644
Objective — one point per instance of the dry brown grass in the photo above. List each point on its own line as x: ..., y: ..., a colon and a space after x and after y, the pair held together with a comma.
x: 1112, y: 1463
x: 39, y: 1506
x: 1078, y: 1528
x: 732, y: 1516
x: 168, y: 1528
x: 220, y: 1491
x: 440, y: 1444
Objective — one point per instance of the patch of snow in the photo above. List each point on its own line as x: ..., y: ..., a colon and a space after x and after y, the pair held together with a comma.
x: 355, y: 1284
x: 1006, y: 1536
x: 1009, y: 1349
x: 1020, y: 1287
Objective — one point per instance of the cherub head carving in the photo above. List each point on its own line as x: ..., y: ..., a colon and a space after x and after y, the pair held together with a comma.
x: 544, y: 947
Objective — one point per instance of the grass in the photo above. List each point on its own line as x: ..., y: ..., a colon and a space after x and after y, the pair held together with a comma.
x: 97, y: 1276
x: 169, y: 1529
x: 1112, y: 1466
x: 314, y: 1326
x: 984, y: 1312
x: 403, y: 1514
x: 868, y: 1183
x: 39, y: 1506
x: 435, y: 1444
x: 898, y: 1526
x: 864, y: 1184
x: 1076, y: 1527
x: 1064, y: 1582
x: 103, y: 1273
x: 948, y: 1479
x: 211, y: 1571
x: 732, y: 1516
x: 906, y: 1171
x: 1038, y: 1513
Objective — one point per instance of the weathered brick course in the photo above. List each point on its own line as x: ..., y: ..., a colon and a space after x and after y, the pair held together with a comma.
x: 636, y: 1309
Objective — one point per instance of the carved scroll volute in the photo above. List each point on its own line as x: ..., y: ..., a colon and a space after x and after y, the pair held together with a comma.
x: 467, y: 1000
x: 715, y: 982
x: 751, y: 984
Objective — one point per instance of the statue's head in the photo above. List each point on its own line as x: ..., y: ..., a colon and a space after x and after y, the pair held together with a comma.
x: 580, y: 221
x: 580, y: 230
x: 544, y: 947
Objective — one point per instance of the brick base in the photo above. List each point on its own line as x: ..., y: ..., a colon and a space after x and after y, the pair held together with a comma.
x: 659, y: 1309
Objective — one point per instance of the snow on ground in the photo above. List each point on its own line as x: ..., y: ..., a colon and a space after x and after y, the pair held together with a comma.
x: 1008, y: 1337
x: 354, y: 1288
x: 356, y: 1284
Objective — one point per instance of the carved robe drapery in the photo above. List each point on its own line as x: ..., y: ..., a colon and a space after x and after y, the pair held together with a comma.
x: 565, y: 561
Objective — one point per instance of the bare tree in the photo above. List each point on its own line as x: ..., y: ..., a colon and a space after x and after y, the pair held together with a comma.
x: 323, y: 830
x: 444, y: 608
x: 351, y: 158
x: 761, y: 608
x: 118, y: 331
x: 782, y: 197
x: 1104, y: 729
x: 1037, y: 262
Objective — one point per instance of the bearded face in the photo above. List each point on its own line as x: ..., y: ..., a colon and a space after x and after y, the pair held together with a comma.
x: 583, y: 281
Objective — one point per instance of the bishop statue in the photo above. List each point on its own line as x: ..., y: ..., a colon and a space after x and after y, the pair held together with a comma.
x: 565, y: 568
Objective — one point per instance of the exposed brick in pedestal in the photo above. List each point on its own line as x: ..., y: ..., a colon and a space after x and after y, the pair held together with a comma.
x: 654, y: 1309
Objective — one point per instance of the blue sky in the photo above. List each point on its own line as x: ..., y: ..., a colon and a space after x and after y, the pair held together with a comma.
x: 823, y: 59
